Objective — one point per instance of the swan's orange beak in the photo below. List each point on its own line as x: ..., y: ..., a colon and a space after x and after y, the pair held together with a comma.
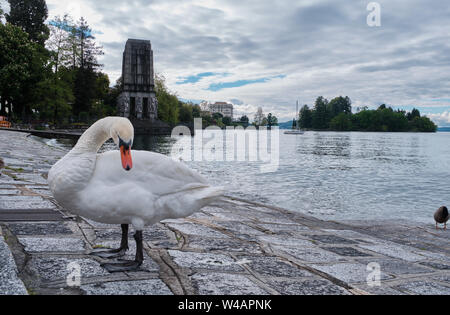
x: 125, y: 154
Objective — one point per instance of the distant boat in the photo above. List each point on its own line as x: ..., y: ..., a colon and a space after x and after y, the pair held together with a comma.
x: 294, y: 132
x: 295, y: 128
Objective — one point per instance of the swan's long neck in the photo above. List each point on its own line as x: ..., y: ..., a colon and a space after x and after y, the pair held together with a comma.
x: 94, y: 137
x: 73, y: 172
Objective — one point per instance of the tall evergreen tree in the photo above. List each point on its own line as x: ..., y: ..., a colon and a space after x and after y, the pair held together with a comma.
x: 259, y: 117
x: 84, y: 53
x: 305, y: 117
x: 30, y: 16
x: 321, y: 118
x: 414, y: 113
x: 88, y: 49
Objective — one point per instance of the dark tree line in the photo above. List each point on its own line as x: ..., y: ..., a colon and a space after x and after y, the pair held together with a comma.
x: 337, y: 115
x: 50, y: 73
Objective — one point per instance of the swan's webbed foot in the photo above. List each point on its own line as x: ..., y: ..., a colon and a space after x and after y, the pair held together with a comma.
x: 127, y: 265
x: 114, y: 253
x: 110, y: 253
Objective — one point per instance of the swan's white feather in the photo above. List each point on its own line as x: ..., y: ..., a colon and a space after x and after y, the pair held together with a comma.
x: 97, y: 187
x: 156, y: 188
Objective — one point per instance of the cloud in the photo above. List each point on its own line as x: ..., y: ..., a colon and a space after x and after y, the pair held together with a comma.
x: 441, y: 119
x: 322, y: 47
x: 236, y: 101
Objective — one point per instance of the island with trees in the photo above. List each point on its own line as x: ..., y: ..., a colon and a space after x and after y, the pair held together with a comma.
x: 336, y: 115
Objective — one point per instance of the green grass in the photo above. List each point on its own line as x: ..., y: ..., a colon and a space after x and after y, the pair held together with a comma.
x: 99, y: 246
x: 18, y: 170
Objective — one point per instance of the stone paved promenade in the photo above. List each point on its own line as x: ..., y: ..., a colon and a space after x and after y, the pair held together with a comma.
x: 232, y: 247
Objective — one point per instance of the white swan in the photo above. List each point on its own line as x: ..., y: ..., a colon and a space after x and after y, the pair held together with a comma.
x: 126, y: 187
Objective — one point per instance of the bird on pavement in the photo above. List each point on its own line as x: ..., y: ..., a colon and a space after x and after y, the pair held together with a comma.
x: 441, y: 216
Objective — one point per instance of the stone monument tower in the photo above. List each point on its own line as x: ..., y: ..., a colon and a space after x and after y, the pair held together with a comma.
x: 138, y: 98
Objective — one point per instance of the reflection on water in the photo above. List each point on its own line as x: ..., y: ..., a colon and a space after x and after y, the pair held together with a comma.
x: 158, y: 144
x: 340, y: 176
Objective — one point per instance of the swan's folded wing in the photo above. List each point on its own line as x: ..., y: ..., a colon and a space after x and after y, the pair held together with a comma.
x: 152, y: 171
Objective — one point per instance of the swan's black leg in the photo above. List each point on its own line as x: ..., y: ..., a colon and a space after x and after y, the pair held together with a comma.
x: 114, y: 253
x: 132, y: 265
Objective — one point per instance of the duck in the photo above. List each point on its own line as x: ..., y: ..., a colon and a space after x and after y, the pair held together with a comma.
x: 126, y: 187
x: 441, y: 216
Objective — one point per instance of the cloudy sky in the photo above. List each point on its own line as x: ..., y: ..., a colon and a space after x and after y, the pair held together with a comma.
x: 272, y: 53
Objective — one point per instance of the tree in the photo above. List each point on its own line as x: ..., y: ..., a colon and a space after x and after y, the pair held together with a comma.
x: 84, y: 90
x: 101, y: 90
x: 244, y: 119
x: 259, y: 117
x: 339, y: 105
x: 414, y: 113
x: 320, y: 119
x: 305, y: 117
x: 185, y: 113
x: 217, y: 116
x: 167, y: 102
x: 227, y: 121
x: 341, y: 122
x: 53, y: 100
x: 196, y: 111
x: 59, y: 43
x: 61, y: 90
x: 386, y: 119
x: 30, y: 16
x: 110, y: 100
x: 272, y: 120
x: 423, y: 124
x: 88, y: 49
x: 21, y: 61
x: 84, y: 58
x: 264, y: 122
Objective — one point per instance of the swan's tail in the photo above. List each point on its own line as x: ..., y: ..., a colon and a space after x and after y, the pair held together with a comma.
x: 211, y: 193
x: 189, y: 200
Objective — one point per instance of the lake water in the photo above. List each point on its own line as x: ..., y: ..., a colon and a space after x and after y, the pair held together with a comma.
x: 341, y: 175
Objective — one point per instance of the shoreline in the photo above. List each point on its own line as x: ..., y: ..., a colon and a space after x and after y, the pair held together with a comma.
x: 231, y: 247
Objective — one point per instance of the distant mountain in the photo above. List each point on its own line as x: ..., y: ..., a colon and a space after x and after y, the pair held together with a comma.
x: 285, y: 125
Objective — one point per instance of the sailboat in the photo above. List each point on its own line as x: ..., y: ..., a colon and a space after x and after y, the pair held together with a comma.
x: 295, y: 126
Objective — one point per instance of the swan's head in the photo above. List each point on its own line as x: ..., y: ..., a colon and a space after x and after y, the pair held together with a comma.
x: 122, y: 133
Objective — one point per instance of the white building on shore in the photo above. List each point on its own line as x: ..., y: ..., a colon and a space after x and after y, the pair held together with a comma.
x: 224, y: 108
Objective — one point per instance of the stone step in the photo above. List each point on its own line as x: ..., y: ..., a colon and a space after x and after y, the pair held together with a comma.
x: 33, y: 215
